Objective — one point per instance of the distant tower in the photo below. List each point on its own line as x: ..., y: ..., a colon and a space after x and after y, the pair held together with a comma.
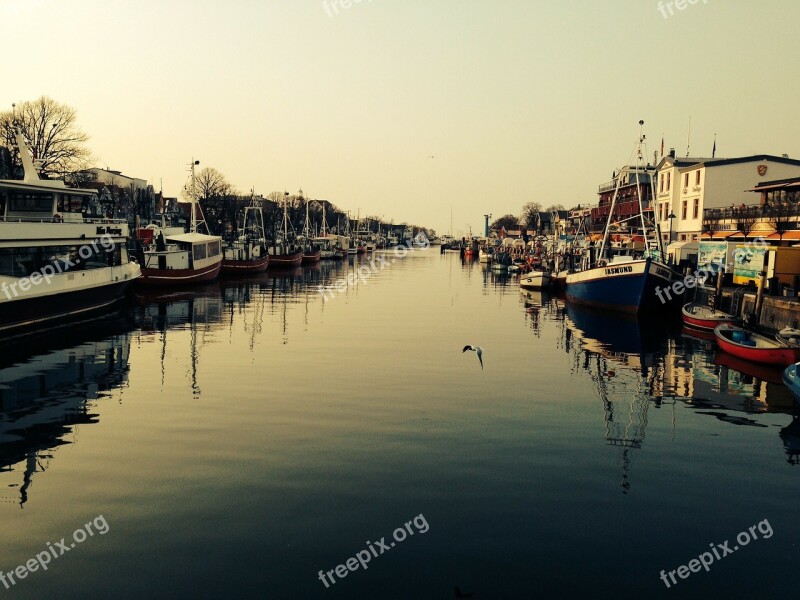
x: 486, y: 226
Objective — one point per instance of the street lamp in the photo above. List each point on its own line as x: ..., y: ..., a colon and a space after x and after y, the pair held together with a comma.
x: 670, y: 217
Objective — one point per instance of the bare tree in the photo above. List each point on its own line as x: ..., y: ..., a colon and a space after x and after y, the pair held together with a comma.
x: 712, y: 221
x: 746, y: 218
x: 530, y: 214
x: 50, y: 129
x: 782, y: 216
x: 508, y: 221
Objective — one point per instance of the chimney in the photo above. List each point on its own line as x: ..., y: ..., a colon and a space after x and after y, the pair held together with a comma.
x: 672, y: 152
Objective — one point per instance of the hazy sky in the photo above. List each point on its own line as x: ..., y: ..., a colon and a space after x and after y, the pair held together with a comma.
x: 517, y: 100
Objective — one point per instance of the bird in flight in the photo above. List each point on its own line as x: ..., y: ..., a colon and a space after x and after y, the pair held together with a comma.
x: 477, y: 350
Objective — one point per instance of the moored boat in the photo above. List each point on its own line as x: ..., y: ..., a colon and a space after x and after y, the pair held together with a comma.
x: 705, y: 317
x: 247, y: 253
x: 171, y: 258
x: 633, y: 282
x: 791, y: 378
x: 753, y: 346
x: 56, y: 263
x: 535, y: 280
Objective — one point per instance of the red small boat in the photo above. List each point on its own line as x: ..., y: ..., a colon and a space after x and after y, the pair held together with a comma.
x: 705, y: 317
x: 291, y: 259
x: 754, y: 347
x: 311, y: 257
x: 245, y: 266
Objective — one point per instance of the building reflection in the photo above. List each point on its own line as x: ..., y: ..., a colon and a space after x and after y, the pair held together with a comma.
x: 44, y: 395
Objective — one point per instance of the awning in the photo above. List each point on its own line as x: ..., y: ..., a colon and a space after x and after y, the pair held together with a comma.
x: 787, y: 235
x: 721, y: 235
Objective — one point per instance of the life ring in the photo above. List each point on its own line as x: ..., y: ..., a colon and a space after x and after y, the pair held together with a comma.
x: 57, y: 218
x: 602, y: 262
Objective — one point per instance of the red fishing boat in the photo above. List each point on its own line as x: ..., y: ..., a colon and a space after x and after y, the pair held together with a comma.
x: 311, y: 256
x: 705, y: 317
x: 754, y: 347
x: 247, y: 253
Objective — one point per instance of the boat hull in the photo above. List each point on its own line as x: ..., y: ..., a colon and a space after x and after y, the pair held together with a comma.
x: 176, y: 277
x: 285, y: 260
x: 242, y: 267
x: 535, y: 280
x: 702, y: 317
x: 770, y: 353
x: 791, y: 379
x: 311, y: 257
x: 633, y: 287
x: 27, y: 314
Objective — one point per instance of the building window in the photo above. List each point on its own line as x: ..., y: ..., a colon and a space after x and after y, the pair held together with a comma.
x: 661, y: 185
x: 683, y: 237
x: 683, y: 212
x: 686, y: 180
x: 697, y: 177
x: 669, y: 180
x: 696, y: 210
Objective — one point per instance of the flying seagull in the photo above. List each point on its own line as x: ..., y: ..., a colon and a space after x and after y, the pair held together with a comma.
x: 477, y: 349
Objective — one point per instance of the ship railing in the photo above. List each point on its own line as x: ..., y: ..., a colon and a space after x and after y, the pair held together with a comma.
x: 52, y: 219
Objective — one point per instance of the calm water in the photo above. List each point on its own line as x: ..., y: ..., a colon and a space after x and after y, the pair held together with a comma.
x: 240, y: 438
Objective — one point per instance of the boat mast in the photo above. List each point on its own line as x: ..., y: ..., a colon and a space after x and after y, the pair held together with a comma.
x: 640, y: 164
x: 194, y: 198
x: 324, y: 232
x: 285, y: 218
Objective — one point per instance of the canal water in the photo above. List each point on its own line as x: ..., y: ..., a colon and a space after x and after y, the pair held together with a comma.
x: 234, y: 440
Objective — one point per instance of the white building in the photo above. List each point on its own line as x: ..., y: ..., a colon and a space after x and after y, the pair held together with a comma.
x: 109, y: 177
x: 686, y: 186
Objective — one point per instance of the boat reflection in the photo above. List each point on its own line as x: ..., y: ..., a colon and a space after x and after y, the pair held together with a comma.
x: 625, y: 361
x: 638, y: 364
x: 44, y: 395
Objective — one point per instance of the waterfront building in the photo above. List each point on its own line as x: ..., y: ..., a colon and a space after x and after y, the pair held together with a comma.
x: 686, y: 187
x: 627, y: 205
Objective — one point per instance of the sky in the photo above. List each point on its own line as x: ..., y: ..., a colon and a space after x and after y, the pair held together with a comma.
x: 405, y: 108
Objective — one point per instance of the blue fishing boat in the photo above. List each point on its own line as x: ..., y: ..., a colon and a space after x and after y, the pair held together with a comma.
x: 626, y: 280
x: 792, y: 381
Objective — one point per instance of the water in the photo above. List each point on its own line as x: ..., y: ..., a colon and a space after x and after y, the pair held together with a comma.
x: 239, y: 438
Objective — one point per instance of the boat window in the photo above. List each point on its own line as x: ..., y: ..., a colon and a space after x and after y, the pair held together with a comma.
x: 213, y: 249
x: 30, y: 202
x: 199, y: 251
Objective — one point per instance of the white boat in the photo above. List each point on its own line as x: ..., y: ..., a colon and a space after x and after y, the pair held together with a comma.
x: 535, y: 280
x: 175, y: 259
x: 56, y: 263
x: 484, y: 256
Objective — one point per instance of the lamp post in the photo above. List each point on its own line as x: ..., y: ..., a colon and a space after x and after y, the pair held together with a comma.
x: 486, y: 225
x: 670, y: 217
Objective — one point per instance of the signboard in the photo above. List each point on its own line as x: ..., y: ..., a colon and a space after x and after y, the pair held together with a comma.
x: 712, y: 255
x: 748, y: 264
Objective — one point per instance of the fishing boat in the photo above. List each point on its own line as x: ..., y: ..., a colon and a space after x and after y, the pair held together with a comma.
x: 311, y: 251
x: 535, y: 280
x: 753, y: 346
x: 56, y: 263
x: 705, y: 317
x: 171, y: 258
x: 247, y: 252
x: 791, y: 379
x: 284, y: 253
x: 619, y: 280
x: 559, y: 280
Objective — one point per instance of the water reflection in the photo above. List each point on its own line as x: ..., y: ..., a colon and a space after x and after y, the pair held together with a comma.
x: 44, y: 396
x: 635, y: 365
